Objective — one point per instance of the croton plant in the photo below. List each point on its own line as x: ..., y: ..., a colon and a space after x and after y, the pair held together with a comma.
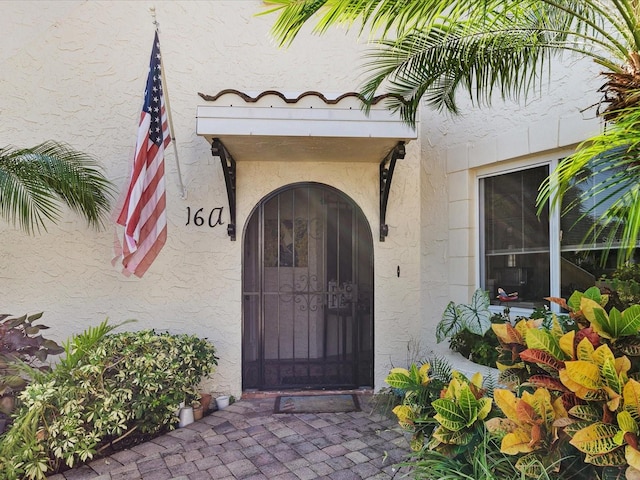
x: 570, y: 396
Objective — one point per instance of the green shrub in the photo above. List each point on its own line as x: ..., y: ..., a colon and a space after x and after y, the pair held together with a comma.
x: 416, y: 388
x: 625, y: 286
x: 107, y: 387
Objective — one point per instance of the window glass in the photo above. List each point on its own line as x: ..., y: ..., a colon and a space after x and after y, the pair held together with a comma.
x: 515, y: 248
x: 582, y: 243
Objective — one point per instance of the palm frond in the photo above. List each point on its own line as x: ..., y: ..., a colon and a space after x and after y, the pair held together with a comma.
x: 34, y: 182
x: 614, y: 156
x: 504, y: 53
x: 380, y: 16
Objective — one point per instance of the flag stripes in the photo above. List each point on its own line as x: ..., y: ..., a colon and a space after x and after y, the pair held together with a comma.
x: 143, y: 214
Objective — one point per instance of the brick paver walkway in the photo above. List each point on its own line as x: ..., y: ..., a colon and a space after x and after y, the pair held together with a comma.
x: 248, y: 441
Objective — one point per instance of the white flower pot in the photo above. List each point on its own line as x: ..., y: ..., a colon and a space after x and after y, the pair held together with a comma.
x: 222, y: 402
x: 185, y: 417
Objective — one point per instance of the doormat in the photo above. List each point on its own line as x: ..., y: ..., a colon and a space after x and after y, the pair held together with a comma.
x: 333, y: 403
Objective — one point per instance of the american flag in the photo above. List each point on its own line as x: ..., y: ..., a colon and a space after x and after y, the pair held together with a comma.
x: 144, y: 212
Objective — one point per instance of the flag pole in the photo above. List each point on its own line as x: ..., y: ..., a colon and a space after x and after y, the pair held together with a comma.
x: 183, y: 193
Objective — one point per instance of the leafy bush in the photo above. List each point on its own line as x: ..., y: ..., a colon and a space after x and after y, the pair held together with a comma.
x: 105, y: 388
x: 571, y: 408
x: 625, y: 285
x: 417, y: 390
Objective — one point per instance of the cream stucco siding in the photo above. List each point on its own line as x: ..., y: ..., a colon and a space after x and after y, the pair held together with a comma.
x: 74, y: 71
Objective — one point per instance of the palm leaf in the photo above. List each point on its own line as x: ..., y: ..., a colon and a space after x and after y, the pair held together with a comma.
x: 34, y: 182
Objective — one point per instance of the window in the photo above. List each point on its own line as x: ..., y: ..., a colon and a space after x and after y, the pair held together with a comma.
x: 582, y: 242
x: 515, y: 242
x: 517, y: 252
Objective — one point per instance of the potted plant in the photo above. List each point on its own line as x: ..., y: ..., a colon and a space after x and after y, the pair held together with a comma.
x: 198, y: 410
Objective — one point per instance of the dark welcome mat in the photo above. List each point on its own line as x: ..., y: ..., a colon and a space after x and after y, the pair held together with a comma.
x: 317, y: 403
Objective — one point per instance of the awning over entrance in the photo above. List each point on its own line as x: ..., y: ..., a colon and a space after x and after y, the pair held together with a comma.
x: 308, y: 127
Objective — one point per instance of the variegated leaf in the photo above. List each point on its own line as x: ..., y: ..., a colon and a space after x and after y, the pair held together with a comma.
x: 631, y: 398
x: 587, y: 412
x: 630, y: 346
x: 603, y: 354
x: 468, y: 406
x: 448, y: 414
x: 610, y: 376
x: 399, y: 379
x: 531, y: 466
x: 541, y: 403
x: 476, y: 316
x: 566, y: 343
x: 545, y: 381
x: 527, y: 414
x: 615, y: 458
x: 506, y: 401
x: 584, y: 350
x: 484, y: 407
x: 516, y: 442
x: 500, y: 426
x: 596, y: 316
x: 543, y: 340
x: 583, y: 373
x: 574, y: 301
x: 449, y: 324
x: 541, y: 358
x: 575, y: 427
x: 556, y: 328
x: 632, y: 456
x: 626, y: 422
x: 461, y: 437
x: 507, y: 334
x: 559, y: 410
x: 405, y: 415
x: 596, y: 439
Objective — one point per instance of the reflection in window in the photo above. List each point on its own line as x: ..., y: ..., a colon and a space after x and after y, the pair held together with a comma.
x: 515, y: 242
x: 583, y: 241
x: 515, y: 249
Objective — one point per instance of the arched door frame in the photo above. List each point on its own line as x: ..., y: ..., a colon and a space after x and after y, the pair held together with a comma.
x: 344, y: 328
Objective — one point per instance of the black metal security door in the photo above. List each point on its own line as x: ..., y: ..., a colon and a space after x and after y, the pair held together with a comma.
x: 307, y: 292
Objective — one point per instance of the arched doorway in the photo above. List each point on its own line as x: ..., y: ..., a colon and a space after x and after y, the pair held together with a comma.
x: 307, y: 292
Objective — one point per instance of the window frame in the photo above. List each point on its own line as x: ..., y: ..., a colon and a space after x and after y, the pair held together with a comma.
x: 549, y: 160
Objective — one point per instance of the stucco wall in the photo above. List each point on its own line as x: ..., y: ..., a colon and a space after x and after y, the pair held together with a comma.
x: 74, y: 72
x: 457, y: 149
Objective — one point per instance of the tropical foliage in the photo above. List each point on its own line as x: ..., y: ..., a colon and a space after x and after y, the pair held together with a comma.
x: 105, y: 388
x: 21, y: 342
x: 34, y: 182
x: 569, y: 402
x: 468, y: 328
x: 418, y: 387
x: 432, y: 51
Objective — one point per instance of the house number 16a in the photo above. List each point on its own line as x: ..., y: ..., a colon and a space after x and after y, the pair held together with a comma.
x: 198, y: 218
